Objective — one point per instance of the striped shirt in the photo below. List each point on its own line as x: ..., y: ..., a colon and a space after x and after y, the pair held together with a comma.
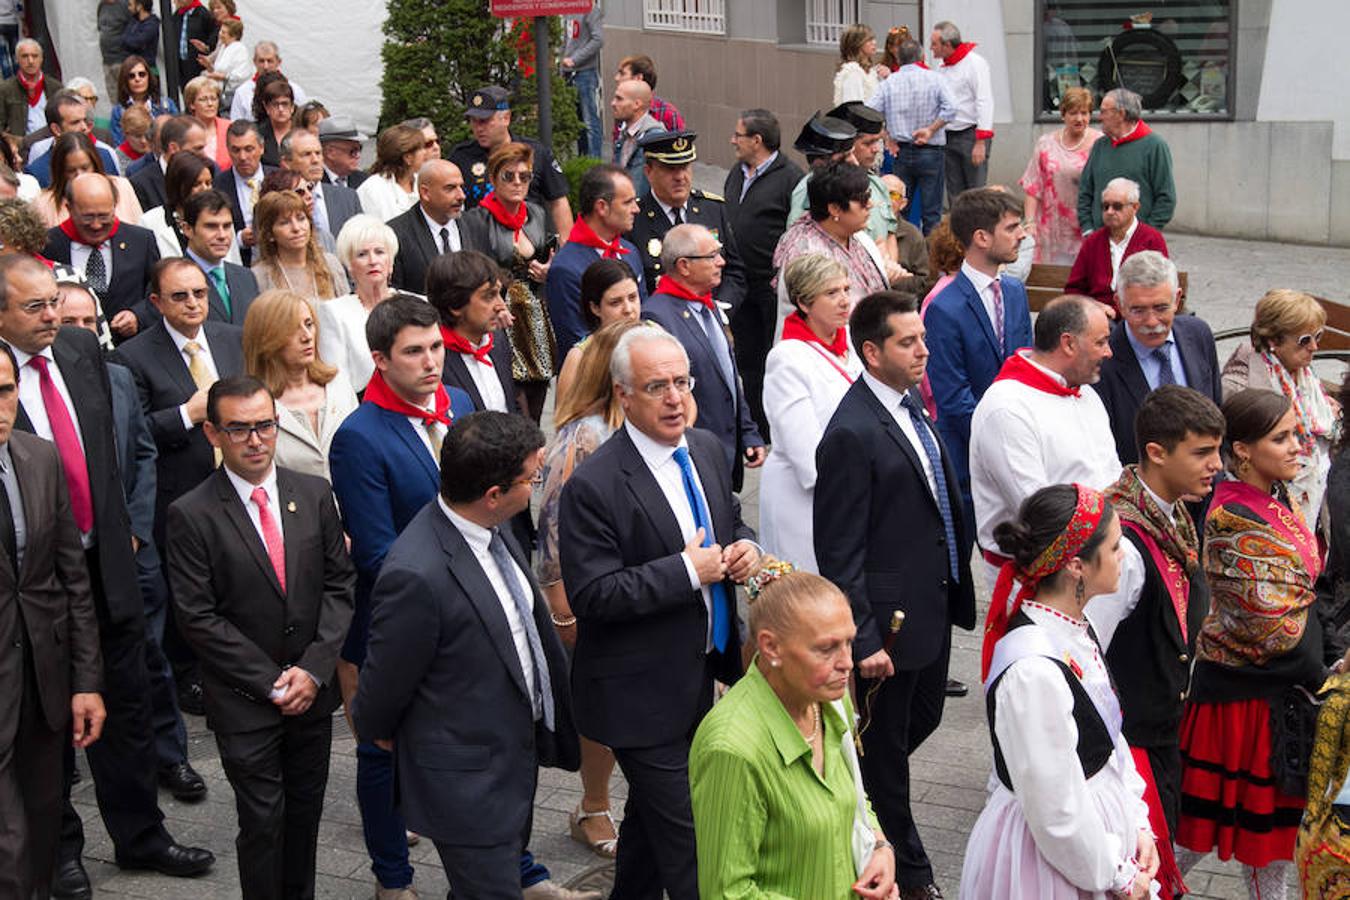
x: 765, y: 820
x: 912, y: 98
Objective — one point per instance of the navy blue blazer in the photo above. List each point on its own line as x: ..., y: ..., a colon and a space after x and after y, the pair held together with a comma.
x: 563, y: 289
x: 964, y: 357
x: 722, y: 409
x: 1123, y: 387
x: 41, y: 168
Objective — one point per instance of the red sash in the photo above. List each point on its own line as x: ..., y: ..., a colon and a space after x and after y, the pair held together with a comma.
x: 583, y: 234
x: 33, y: 90
x: 1171, y: 572
x: 195, y: 4
x: 458, y: 343
x: 1019, y: 368
x: 1279, y: 517
x: 667, y: 285
x: 505, y: 219
x: 382, y: 395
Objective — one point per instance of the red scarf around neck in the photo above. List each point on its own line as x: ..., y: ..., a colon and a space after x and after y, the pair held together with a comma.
x: 1140, y: 130
x: 959, y: 53
x: 795, y: 328
x: 515, y: 221
x: 668, y: 285
x: 195, y: 4
x: 33, y: 88
x: 586, y: 237
x: 458, y: 343
x: 1018, y: 368
x: 68, y: 229
x: 131, y: 152
x: 382, y: 395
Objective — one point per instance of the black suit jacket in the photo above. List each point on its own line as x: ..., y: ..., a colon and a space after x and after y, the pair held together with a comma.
x: 185, y: 456
x: 134, y: 254
x: 466, y: 768
x: 224, y: 182
x: 80, y: 360
x: 640, y: 672
x: 416, y: 250
x: 879, y: 534
x: 761, y: 218
x: 231, y: 608
x: 243, y: 287
x: 652, y: 223
x: 455, y: 373
x: 149, y: 184
x: 1123, y: 387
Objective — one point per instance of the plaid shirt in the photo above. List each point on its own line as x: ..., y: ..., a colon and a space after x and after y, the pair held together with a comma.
x: 910, y: 99
x: 664, y: 112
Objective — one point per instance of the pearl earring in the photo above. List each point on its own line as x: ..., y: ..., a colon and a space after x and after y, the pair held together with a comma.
x: 775, y: 663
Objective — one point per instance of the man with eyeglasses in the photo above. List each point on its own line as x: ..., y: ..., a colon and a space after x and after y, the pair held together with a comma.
x: 302, y: 153
x: 1152, y: 346
x: 341, y: 144
x: 1096, y: 268
x: 654, y: 600
x: 262, y: 587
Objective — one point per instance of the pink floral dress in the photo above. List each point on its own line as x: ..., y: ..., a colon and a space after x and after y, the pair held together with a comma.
x: 1052, y: 178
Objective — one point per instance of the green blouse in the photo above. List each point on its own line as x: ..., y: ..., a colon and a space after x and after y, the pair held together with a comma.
x: 768, y: 825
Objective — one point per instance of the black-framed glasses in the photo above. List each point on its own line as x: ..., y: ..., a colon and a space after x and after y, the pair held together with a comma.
x: 239, y: 434
x: 1307, y: 340
x: 1115, y: 205
x: 713, y: 255
x: 197, y: 294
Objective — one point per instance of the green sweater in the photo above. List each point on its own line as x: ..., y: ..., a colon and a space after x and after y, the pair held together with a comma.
x: 1145, y: 160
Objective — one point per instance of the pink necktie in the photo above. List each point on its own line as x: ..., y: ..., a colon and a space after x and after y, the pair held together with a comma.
x: 271, y: 535
x: 68, y: 446
x: 997, y: 288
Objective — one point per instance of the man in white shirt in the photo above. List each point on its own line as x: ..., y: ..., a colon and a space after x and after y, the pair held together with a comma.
x: 971, y: 131
x: 1036, y: 426
x: 334, y: 204
x: 266, y: 58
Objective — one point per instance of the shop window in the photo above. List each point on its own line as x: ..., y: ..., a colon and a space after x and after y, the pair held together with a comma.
x: 700, y: 16
x: 825, y: 19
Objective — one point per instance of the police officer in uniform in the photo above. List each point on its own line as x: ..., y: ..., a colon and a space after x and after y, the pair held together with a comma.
x: 673, y: 200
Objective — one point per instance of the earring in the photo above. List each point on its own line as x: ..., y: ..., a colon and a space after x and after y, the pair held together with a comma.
x: 1243, y: 466
x: 775, y: 663
x: 834, y: 218
x: 1080, y: 592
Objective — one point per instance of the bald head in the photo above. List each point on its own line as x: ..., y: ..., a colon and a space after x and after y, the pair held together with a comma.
x: 631, y: 100
x: 440, y: 188
x: 91, y: 198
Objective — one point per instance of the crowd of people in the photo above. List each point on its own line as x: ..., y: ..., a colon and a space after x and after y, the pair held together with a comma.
x: 270, y: 451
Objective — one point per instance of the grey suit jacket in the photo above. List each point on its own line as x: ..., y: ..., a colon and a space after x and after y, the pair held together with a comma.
x: 341, y: 204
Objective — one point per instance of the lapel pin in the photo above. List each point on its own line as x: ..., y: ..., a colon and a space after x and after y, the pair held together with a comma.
x: 122, y: 245
x: 290, y: 507
x: 684, y: 313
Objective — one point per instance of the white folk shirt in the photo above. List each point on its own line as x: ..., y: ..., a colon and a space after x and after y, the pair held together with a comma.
x: 1107, y: 611
x: 1118, y: 250
x: 972, y: 93
x: 485, y: 378
x: 1023, y: 439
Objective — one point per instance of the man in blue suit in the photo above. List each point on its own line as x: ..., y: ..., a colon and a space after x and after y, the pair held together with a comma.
x: 1152, y: 346
x: 977, y: 322
x: 683, y: 305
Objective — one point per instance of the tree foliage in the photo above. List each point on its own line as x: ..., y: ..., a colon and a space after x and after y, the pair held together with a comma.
x: 438, y: 52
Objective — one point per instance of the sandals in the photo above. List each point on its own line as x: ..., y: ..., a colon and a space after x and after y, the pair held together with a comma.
x: 607, y: 847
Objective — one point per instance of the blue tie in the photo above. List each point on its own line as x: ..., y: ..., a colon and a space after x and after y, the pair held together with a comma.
x: 1164, y: 358
x: 944, y: 502
x: 721, y: 617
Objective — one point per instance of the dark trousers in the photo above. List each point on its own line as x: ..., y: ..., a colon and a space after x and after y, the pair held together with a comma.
x: 165, y: 718
x: 1165, y: 761
x: 122, y: 762
x: 30, y: 797
x: 920, y: 168
x: 656, y: 839
x: 278, y: 774
x: 381, y: 822
x: 905, y: 710
x: 496, y: 872
x: 752, y: 328
x: 961, y: 173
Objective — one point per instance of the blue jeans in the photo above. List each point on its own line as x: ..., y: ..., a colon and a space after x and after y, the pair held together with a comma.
x: 587, y: 83
x: 920, y: 168
x: 386, y: 836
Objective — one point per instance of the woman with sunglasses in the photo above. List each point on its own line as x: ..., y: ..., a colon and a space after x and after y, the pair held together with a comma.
x: 1286, y: 330
x: 138, y: 85
x: 391, y: 188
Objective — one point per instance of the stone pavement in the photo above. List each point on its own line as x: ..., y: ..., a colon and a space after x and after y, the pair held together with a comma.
x: 949, y: 771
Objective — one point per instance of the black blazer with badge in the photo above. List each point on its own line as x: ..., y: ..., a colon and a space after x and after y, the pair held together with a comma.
x: 230, y: 606
x: 134, y: 254
x: 416, y: 250
x: 640, y: 673
x: 879, y: 534
x: 649, y: 233
x: 443, y: 680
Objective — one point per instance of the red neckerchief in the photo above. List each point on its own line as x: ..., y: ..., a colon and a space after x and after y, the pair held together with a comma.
x: 920, y: 63
x: 68, y: 229
x: 668, y: 285
x: 796, y: 329
x: 1140, y: 130
x: 131, y: 153
x: 383, y: 396
x: 583, y: 235
x: 959, y: 53
x: 34, y: 89
x: 515, y: 221
x: 458, y: 343
x: 1018, y: 368
x: 195, y: 4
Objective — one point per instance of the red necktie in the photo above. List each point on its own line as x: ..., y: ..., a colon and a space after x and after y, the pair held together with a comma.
x: 271, y: 535
x: 67, y: 442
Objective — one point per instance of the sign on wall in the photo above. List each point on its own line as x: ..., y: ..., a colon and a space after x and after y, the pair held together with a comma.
x: 507, y: 8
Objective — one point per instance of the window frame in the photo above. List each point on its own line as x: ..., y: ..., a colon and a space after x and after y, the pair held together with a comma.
x: 836, y: 27
x: 654, y: 8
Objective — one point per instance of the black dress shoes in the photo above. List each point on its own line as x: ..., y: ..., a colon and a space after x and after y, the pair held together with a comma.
x: 183, y: 782
x: 175, y: 860
x: 956, y: 688
x: 190, y: 698
x: 70, y: 881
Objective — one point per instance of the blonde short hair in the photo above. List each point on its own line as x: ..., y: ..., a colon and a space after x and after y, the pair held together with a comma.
x: 1076, y: 99
x: 1282, y: 312
x: 807, y: 277
x: 271, y: 323
x: 779, y: 604
x: 195, y: 87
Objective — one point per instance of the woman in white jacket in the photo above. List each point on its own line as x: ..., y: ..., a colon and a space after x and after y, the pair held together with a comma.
x: 858, y: 75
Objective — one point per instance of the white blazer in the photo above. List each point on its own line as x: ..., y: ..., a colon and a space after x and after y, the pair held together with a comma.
x: 299, y: 448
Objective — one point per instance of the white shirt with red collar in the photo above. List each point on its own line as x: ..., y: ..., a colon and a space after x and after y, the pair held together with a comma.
x: 972, y: 92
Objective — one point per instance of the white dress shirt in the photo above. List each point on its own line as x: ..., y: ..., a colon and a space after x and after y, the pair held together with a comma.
x: 984, y: 287
x: 478, y: 538
x: 893, y: 400
x: 424, y: 433
x: 485, y: 378
x: 30, y: 393
x: 245, y: 491
x: 972, y: 93
x: 243, y: 190
x: 451, y: 225
x: 670, y: 211
x: 1118, y: 249
x: 79, y: 256
x: 203, y: 353
x: 1107, y: 611
x: 37, y: 115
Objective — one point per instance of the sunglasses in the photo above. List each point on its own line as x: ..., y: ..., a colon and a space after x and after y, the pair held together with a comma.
x: 518, y: 177
x: 1115, y: 206
x: 1307, y: 340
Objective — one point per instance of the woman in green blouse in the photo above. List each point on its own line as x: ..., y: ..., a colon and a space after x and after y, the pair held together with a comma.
x: 774, y: 795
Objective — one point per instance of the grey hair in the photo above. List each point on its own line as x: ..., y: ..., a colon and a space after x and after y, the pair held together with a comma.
x: 949, y: 33
x: 621, y: 360
x: 418, y: 122
x: 1128, y: 186
x: 1128, y: 102
x: 807, y: 276
x: 287, y: 146
x: 268, y: 46
x: 79, y: 81
x: 1147, y: 268
x: 362, y: 229
x: 681, y: 241
x: 27, y: 42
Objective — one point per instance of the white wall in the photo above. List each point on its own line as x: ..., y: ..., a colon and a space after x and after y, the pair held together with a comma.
x: 1306, y: 68
x: 980, y: 21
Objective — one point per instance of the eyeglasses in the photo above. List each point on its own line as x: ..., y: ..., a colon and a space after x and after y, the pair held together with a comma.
x: 198, y: 294
x: 518, y: 177
x: 659, y: 389
x: 742, y: 135
x: 91, y: 99
x: 280, y: 103
x: 713, y: 255
x: 533, y: 481
x: 434, y: 142
x: 239, y: 434
x: 353, y: 151
x: 1115, y: 206
x: 36, y: 307
x: 93, y: 218
x: 131, y: 75
x: 1306, y: 340
x: 897, y: 195
x: 1143, y: 312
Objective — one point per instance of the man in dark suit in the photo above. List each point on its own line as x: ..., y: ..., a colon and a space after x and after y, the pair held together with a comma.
x: 465, y: 288
x: 116, y: 258
x: 334, y: 204
x: 48, y: 681
x: 252, y: 533
x: 459, y: 614
x: 242, y: 181
x: 176, y: 135
x: 889, y: 532
x: 64, y: 396
x: 1152, y: 346
x: 651, y: 544
x: 1095, y: 269
x: 342, y: 152
x: 431, y: 227
x: 758, y: 195
x: 683, y: 305
x: 209, y: 228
